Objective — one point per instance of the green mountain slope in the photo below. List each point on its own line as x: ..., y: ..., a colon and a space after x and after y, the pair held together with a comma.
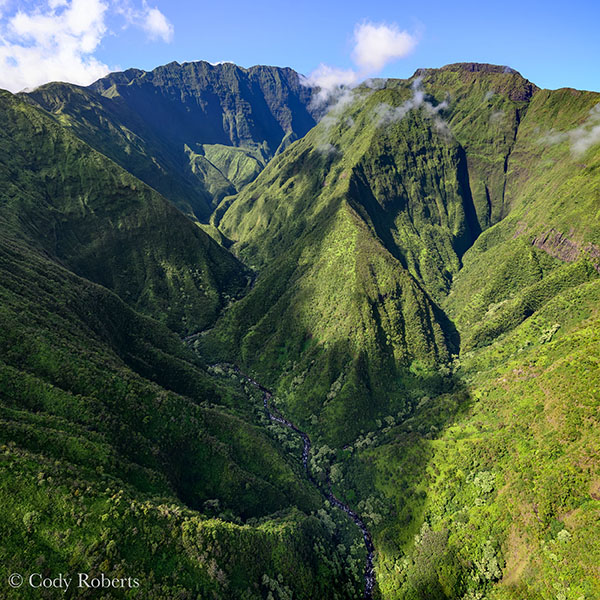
x: 99, y: 441
x: 355, y: 240
x: 195, y: 132
x: 416, y: 277
x: 481, y: 190
x: 121, y: 453
x: 490, y: 491
x: 387, y: 169
x: 552, y: 194
x: 120, y: 134
x: 494, y: 493
x: 107, y: 226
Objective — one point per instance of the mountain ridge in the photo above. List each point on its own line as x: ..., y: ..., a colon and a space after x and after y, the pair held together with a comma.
x: 140, y: 120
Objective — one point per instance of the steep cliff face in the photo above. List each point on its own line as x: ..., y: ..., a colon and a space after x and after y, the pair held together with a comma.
x: 195, y: 132
x: 486, y: 104
x: 218, y: 104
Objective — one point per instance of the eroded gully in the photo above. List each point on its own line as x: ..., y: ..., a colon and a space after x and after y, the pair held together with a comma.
x: 369, y: 576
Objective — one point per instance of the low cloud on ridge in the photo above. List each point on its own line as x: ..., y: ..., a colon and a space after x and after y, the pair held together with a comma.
x: 387, y: 114
x: 375, y: 46
x: 581, y: 138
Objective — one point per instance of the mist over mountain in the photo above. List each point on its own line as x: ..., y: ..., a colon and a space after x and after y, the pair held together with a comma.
x: 203, y: 270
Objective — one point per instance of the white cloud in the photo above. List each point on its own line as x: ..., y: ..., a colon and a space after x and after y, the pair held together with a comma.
x: 378, y: 44
x: 327, y: 76
x: 387, y: 114
x: 327, y: 148
x: 497, y: 116
x: 375, y: 83
x: 331, y: 83
x: 55, y: 40
x: 150, y: 19
x: 588, y: 135
x: 581, y: 138
x: 375, y: 45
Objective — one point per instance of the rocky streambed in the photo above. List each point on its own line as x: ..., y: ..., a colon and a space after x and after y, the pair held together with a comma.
x: 369, y: 576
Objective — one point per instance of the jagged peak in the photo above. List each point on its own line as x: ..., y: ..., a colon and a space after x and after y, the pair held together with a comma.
x: 125, y: 77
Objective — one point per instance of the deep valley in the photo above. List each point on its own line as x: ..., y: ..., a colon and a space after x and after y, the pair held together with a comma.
x: 257, y: 346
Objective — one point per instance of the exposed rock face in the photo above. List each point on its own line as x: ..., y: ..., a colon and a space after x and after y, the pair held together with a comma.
x: 561, y: 246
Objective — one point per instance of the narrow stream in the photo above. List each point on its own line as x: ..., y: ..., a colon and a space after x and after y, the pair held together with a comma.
x: 267, y: 395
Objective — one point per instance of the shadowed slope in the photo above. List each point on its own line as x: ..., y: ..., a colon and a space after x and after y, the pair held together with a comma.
x: 121, y: 454
x: 195, y: 132
x: 82, y: 209
x: 355, y: 228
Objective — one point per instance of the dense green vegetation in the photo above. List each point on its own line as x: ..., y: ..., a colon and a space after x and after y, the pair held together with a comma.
x: 340, y: 306
x: 121, y: 453
x: 470, y: 183
x: 416, y: 277
x: 494, y: 494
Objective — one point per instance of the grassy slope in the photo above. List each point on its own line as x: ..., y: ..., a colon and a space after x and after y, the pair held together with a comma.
x: 499, y: 481
x: 114, y: 460
x: 120, y: 453
x: 491, y: 489
x: 347, y: 242
x: 519, y: 264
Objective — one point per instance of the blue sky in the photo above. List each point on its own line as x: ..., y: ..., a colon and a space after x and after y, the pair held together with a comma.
x: 554, y: 44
